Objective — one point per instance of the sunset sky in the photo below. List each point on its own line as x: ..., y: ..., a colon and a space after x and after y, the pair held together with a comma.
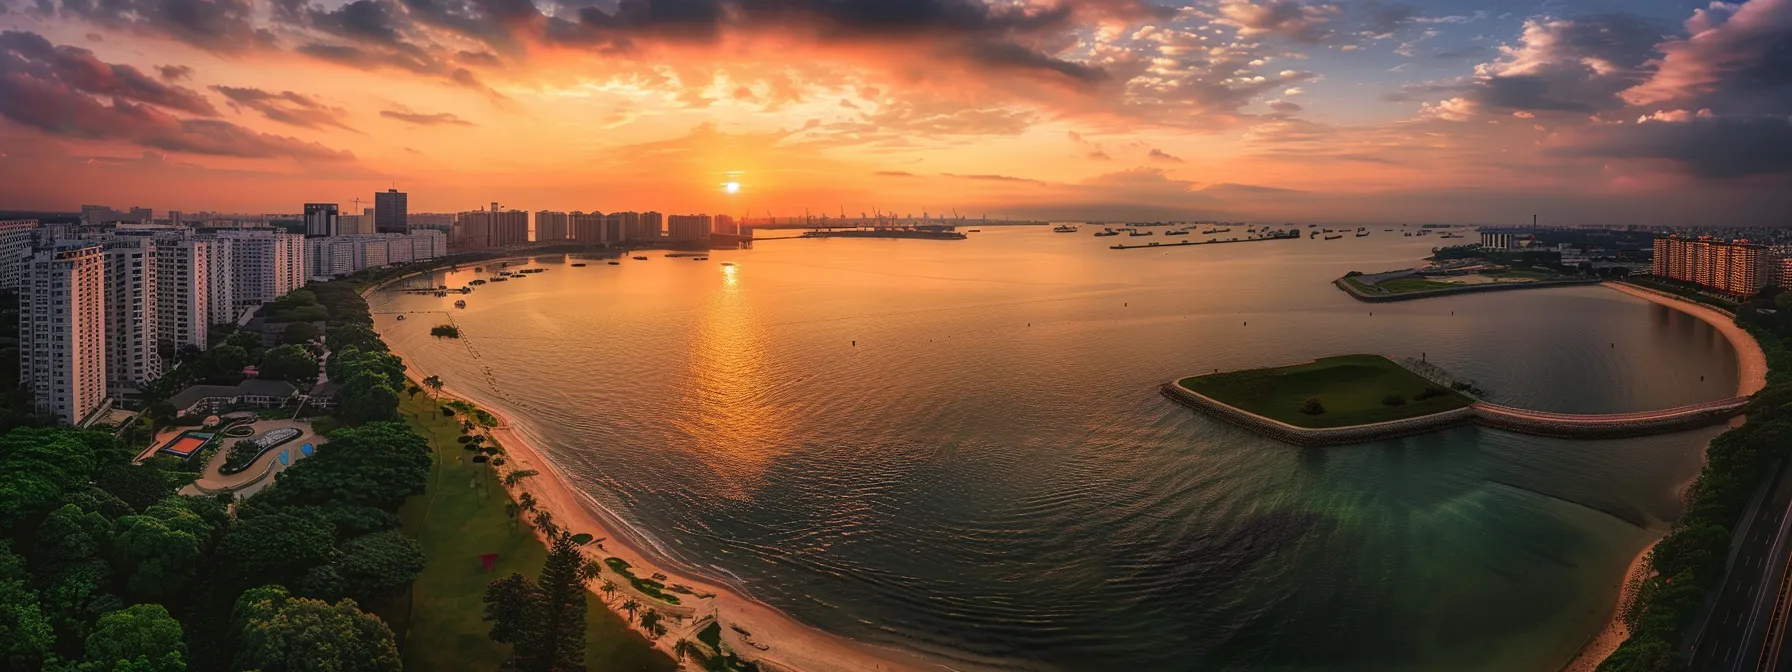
x: 1582, y: 111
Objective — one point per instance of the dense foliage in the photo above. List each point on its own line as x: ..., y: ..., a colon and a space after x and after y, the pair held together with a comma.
x: 542, y: 620
x: 1689, y: 561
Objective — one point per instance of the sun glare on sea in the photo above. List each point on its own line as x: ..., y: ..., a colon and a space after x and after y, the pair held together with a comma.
x: 731, y: 187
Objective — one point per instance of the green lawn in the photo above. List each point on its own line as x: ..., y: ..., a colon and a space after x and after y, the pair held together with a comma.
x: 1351, y: 387
x: 460, y: 517
x: 1410, y: 284
x: 1524, y: 273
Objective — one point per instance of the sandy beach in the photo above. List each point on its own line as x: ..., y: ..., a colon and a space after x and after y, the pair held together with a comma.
x: 1751, y: 377
x: 790, y: 644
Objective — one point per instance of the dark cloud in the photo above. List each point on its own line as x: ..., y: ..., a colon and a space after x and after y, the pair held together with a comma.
x: 1576, y: 64
x: 1007, y: 55
x: 285, y: 107
x: 1284, y: 106
x: 995, y: 178
x: 213, y: 25
x: 422, y: 119
x: 1704, y: 145
x: 58, y: 90
x: 24, y: 54
x: 893, y: 173
x: 1464, y: 51
x: 171, y: 73
x: 1387, y: 18
x: 484, y: 59
x: 1162, y: 156
x: 1740, y: 60
x: 362, y: 19
x: 1099, y: 155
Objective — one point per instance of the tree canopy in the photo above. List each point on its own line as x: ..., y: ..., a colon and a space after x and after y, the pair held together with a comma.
x: 277, y: 632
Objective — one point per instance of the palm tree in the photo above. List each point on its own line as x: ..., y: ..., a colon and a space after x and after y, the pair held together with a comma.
x: 630, y: 606
x: 681, y: 649
x: 527, y: 501
x: 434, y: 383
x: 545, y: 521
x: 650, y: 621
x: 609, y: 588
x: 590, y: 570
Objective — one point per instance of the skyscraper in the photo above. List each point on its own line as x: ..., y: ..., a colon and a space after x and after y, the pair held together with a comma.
x: 389, y: 212
x: 688, y: 228
x: 320, y: 219
x: 15, y: 251
x: 131, y: 322
x: 62, y: 334
x: 550, y: 226
x: 183, y: 290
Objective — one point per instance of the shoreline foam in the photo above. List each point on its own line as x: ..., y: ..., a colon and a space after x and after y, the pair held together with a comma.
x: 793, y: 645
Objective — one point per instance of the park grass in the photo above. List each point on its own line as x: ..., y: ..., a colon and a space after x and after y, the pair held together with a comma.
x: 1351, y: 387
x: 459, y: 517
x: 1399, y: 285
x: 1524, y: 274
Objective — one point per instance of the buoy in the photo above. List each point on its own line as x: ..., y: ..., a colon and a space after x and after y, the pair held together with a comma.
x: 1247, y: 324
x: 855, y: 344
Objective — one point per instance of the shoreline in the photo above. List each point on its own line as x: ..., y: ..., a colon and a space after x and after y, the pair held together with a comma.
x: 1604, y: 642
x: 793, y: 645
x: 1751, y: 377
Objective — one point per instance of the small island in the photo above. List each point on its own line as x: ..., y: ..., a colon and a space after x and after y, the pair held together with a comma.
x: 1341, y: 391
x: 445, y: 331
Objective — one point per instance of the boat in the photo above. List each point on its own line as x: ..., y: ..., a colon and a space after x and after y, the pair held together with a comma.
x: 1408, y: 234
x: 976, y: 231
x: 1176, y: 232
x: 1137, y: 233
x: 400, y: 318
x: 615, y: 263
x: 700, y: 259
x: 1106, y: 232
x: 578, y: 265
x: 1360, y: 234
x: 460, y: 304
x: 441, y: 294
x: 475, y: 282
x: 1333, y: 236
x: 639, y: 258
x: 1063, y: 228
x: 1153, y: 244
x: 500, y: 279
x: 727, y: 263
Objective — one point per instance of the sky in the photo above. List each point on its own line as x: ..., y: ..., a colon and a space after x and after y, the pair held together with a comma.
x: 1658, y: 112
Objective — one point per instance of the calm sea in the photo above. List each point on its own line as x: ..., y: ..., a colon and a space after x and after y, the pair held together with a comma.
x: 959, y: 447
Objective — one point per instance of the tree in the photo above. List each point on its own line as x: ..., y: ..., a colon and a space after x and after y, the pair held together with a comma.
x: 544, y: 621
x: 143, y: 631
x: 277, y: 632
x: 367, y: 397
x: 280, y: 545
x: 25, y: 633
x: 515, y: 477
x: 650, y: 621
x: 379, y: 565
x: 1312, y: 407
x: 227, y: 360
x: 376, y: 465
x: 630, y: 605
x: 608, y: 588
x: 434, y: 383
x: 160, y: 548
x: 38, y: 465
x: 289, y: 362
x: 298, y: 333
x: 70, y: 534
x: 247, y: 340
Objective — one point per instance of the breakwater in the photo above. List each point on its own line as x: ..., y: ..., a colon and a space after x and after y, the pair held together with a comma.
x: 1523, y: 421
x: 1368, y: 297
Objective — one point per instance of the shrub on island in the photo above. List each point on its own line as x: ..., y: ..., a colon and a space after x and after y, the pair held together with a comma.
x: 1312, y: 407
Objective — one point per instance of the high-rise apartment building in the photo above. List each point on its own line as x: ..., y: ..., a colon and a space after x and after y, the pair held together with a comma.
x: 62, y: 330
x: 183, y: 290
x: 389, y: 210
x: 589, y: 228
x: 1736, y: 268
x: 688, y: 228
x: 16, y: 239
x: 177, y: 218
x: 140, y: 215
x: 220, y: 276
x: 486, y: 229
x: 265, y: 264
x: 652, y: 227
x: 320, y: 219
x: 550, y: 226
x: 132, y: 323
x: 725, y: 224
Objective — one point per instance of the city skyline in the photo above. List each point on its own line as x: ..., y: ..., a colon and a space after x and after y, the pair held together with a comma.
x: 1589, y: 111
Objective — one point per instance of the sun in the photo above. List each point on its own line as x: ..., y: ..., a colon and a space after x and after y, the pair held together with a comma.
x: 731, y: 187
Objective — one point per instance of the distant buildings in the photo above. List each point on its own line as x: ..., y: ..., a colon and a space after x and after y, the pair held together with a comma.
x: 688, y: 228
x: 16, y: 237
x: 341, y: 255
x: 1492, y: 240
x: 62, y: 331
x: 320, y: 219
x: 131, y: 325
x: 265, y: 264
x: 551, y: 226
x: 487, y: 229
x: 389, y: 209
x: 1736, y: 268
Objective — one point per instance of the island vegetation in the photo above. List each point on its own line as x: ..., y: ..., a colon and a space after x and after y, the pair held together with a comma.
x: 1330, y: 392
x: 445, y: 331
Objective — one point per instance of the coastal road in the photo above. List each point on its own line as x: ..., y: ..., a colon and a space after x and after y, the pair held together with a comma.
x: 1743, y: 623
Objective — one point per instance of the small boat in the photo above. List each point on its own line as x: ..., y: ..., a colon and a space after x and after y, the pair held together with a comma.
x: 1176, y: 232
x: 578, y: 265
x: 1063, y: 228
x: 1334, y: 236
x: 976, y: 231
x: 460, y: 304
x: 700, y: 259
x: 476, y: 282
x: 1107, y: 232
x: 400, y: 318
x: 1408, y: 234
x: 500, y: 279
x: 1153, y: 244
x: 1137, y: 233
x: 640, y: 258
x: 1360, y: 234
x: 615, y: 263
x: 727, y: 263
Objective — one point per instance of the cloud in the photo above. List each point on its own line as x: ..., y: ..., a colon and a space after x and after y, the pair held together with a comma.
x: 212, y: 25
x: 1162, y: 157
x: 171, y: 73
x: 1736, y: 53
x: 893, y: 173
x: 1702, y: 144
x: 1285, y: 18
x: 58, y: 90
x: 422, y: 119
x: 30, y: 55
x: 1576, y: 65
x: 995, y: 178
x: 286, y: 107
x: 1098, y: 155
x: 1284, y: 107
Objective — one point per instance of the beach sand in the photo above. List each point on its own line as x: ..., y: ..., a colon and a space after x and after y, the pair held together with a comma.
x: 1751, y: 377
x: 792, y: 645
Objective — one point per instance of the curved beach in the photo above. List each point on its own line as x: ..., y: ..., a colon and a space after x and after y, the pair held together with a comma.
x: 792, y: 645
x: 1751, y: 377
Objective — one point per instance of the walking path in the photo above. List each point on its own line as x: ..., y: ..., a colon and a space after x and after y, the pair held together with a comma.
x: 213, y: 481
